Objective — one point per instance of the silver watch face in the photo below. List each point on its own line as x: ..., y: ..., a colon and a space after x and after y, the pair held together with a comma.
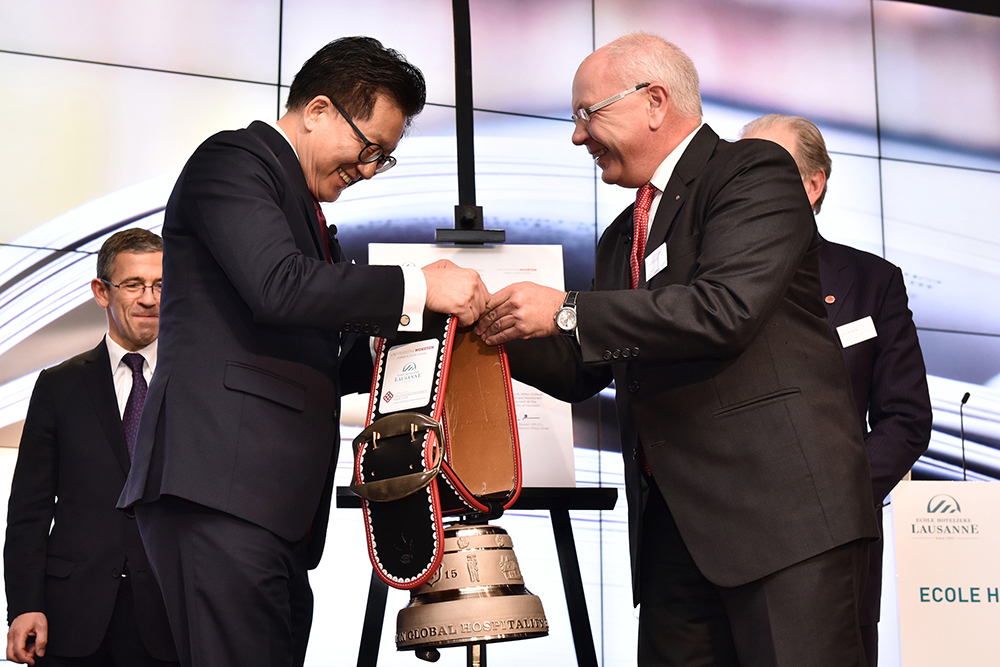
x: 566, y: 319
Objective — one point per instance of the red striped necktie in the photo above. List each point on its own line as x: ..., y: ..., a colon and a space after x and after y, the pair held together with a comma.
x: 640, y: 220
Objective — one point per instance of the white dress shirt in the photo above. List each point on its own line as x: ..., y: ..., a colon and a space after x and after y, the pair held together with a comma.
x: 663, y: 173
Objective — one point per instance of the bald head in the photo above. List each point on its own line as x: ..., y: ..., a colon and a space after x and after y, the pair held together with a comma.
x: 803, y: 140
x: 640, y: 99
x: 642, y: 57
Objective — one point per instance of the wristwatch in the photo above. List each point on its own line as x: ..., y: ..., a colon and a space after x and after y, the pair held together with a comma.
x: 565, y: 317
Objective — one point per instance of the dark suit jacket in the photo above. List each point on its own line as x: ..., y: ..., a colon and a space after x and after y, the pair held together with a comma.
x: 724, y: 367
x: 256, y: 333
x: 73, y: 449
x: 887, y: 375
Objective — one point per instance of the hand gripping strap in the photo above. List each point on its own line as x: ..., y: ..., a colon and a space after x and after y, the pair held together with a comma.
x: 441, y: 440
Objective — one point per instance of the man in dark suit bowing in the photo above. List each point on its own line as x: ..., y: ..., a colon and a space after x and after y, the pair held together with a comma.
x: 866, y: 305
x: 264, y: 325
x: 79, y: 587
x: 750, y: 510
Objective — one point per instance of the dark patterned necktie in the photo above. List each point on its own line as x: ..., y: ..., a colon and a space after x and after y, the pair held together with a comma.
x: 640, y: 220
x: 133, y: 409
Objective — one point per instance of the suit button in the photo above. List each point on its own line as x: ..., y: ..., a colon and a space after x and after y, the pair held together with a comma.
x: 635, y: 352
x: 633, y: 387
x: 367, y: 329
x: 375, y: 330
x: 115, y: 572
x: 614, y: 353
x: 130, y: 513
x: 607, y: 355
x: 347, y: 326
x: 357, y: 328
x: 626, y: 353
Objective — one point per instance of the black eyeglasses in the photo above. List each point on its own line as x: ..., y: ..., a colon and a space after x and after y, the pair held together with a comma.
x: 372, y: 152
x: 136, y: 288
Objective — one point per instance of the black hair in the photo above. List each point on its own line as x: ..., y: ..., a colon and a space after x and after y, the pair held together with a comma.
x: 353, y: 71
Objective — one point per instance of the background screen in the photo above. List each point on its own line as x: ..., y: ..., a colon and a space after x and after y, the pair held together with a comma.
x: 101, y: 102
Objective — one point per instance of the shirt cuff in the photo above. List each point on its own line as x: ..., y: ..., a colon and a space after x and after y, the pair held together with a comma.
x: 414, y: 298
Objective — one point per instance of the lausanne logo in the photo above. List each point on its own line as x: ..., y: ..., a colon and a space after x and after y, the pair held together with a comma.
x: 409, y: 367
x: 943, y: 504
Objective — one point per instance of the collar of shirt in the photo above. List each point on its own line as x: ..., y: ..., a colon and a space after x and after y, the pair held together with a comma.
x: 282, y: 133
x: 663, y: 173
x: 121, y: 374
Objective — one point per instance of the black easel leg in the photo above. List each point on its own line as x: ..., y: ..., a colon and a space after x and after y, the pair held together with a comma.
x: 579, y: 618
x: 475, y: 655
x: 371, y: 633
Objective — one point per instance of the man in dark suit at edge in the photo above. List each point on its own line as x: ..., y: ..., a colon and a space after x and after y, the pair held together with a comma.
x: 866, y: 304
x: 265, y: 324
x: 79, y: 588
x: 750, y: 508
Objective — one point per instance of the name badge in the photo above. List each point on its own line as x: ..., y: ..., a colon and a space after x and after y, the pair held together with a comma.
x: 857, y: 331
x: 656, y: 261
x: 409, y: 376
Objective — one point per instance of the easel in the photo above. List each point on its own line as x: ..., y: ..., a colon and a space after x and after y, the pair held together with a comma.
x: 558, y: 502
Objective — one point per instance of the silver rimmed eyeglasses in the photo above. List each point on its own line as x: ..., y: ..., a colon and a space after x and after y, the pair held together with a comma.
x: 372, y: 152
x: 585, y: 114
x: 135, y: 287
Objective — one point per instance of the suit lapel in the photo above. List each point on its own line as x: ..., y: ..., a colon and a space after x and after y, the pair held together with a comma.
x: 694, y: 159
x: 285, y: 156
x: 101, y: 390
x: 837, y: 283
x: 299, y: 190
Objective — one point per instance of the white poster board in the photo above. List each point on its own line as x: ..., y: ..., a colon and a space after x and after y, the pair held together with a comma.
x: 544, y: 424
x: 947, y: 551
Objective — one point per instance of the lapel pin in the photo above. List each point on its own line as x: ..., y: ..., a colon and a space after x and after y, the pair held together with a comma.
x: 830, y: 298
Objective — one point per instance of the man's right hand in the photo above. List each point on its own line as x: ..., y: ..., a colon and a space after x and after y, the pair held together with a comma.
x: 455, y: 291
x: 30, y: 624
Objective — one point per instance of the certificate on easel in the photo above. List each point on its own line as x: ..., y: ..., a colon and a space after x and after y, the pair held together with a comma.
x: 544, y: 424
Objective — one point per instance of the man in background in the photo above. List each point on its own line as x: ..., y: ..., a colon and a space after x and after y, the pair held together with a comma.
x: 866, y: 304
x: 83, y: 593
x: 265, y: 324
x: 750, y: 507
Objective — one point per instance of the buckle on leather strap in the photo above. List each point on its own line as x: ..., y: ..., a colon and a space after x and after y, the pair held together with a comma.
x: 394, y: 426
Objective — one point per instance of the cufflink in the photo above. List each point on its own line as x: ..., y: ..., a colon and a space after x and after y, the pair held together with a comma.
x: 404, y: 320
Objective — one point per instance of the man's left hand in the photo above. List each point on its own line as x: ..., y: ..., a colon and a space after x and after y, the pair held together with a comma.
x: 521, y: 310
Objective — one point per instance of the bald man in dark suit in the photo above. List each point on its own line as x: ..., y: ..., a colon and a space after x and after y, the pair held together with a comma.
x: 750, y: 508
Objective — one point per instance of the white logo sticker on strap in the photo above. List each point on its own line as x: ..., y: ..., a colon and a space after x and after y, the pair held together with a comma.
x: 409, y: 376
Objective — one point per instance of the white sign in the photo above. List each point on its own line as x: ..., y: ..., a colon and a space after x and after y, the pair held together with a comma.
x: 409, y: 376
x: 947, y: 545
x: 545, y: 425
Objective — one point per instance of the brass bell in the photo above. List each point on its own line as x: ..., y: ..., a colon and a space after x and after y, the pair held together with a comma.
x: 476, y: 596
